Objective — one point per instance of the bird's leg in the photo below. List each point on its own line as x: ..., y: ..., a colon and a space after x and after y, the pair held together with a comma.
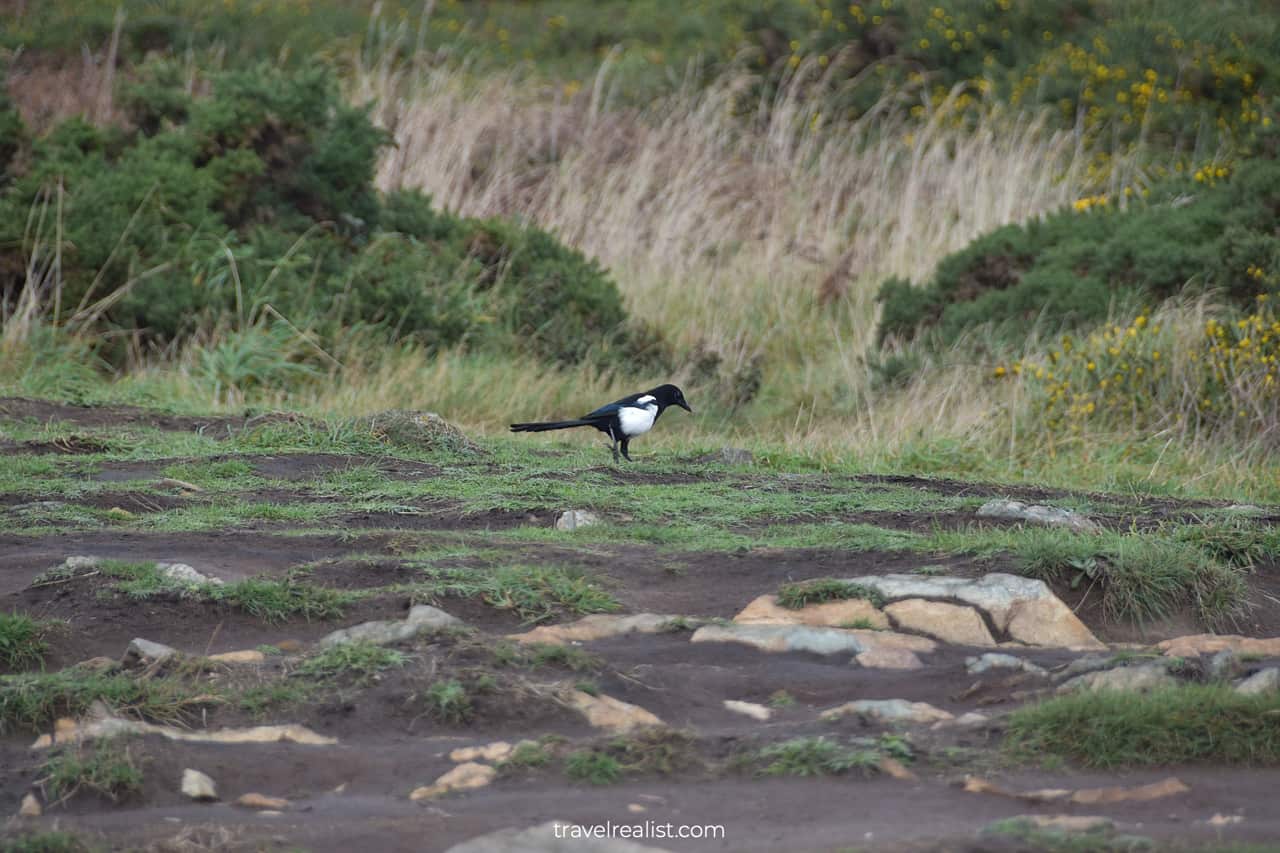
x: 614, y: 448
x: 625, y: 454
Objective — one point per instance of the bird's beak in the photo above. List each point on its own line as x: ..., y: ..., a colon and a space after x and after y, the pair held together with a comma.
x: 685, y: 406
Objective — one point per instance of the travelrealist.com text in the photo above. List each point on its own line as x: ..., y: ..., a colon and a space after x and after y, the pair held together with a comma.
x: 646, y: 829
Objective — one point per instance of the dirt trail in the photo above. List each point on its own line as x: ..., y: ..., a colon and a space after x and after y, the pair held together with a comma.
x: 389, y: 740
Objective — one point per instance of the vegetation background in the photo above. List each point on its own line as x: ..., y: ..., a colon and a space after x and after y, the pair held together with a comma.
x: 982, y: 238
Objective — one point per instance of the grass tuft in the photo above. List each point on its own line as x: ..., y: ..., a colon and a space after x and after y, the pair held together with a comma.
x: 22, y: 641
x: 106, y: 767
x: 814, y: 756
x: 357, y: 662
x: 594, y: 767
x: 1174, y: 725
x: 31, y: 701
x: 819, y: 590
x: 448, y: 702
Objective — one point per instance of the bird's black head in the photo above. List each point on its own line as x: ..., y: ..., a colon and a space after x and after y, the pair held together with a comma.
x: 670, y: 395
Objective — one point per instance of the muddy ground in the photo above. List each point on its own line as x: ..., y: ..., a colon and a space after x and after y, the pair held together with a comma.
x: 355, y: 792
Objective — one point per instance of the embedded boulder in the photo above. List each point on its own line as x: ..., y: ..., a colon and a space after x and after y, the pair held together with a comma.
x: 832, y: 614
x: 951, y: 623
x: 804, y: 638
x: 1024, y: 608
x: 1129, y: 678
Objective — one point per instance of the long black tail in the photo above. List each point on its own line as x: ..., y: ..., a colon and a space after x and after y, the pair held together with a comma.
x: 549, y: 425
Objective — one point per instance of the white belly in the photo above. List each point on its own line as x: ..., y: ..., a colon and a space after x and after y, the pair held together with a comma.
x: 637, y: 419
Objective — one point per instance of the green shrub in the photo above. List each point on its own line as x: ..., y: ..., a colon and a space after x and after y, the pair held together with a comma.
x: 1075, y: 267
x: 261, y: 194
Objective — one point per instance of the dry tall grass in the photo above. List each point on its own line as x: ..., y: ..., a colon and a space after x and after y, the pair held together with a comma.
x: 751, y: 230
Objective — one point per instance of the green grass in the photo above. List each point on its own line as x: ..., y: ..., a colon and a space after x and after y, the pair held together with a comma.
x: 593, y: 767
x: 1176, y: 725
x: 22, y: 641
x: 1046, y: 840
x: 45, y: 842
x: 526, y: 756
x: 106, y: 767
x: 820, y: 590
x: 535, y: 593
x: 814, y: 756
x: 281, y: 600
x: 565, y: 657
x: 1141, y: 577
x: 264, y: 699
x: 358, y: 663
x: 448, y: 702
x: 32, y: 701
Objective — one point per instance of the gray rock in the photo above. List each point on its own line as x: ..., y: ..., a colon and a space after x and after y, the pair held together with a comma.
x: 421, y: 618
x: 1224, y: 666
x: 1147, y: 676
x: 1036, y: 513
x: 890, y: 711
x: 1263, y: 681
x: 1088, y: 663
x: 736, y: 456
x: 141, y: 650
x: 996, y: 660
x: 198, y: 786
x: 1244, y: 509
x: 555, y: 836
x: 572, y: 519
x: 81, y: 563
x: 782, y: 638
x: 184, y: 574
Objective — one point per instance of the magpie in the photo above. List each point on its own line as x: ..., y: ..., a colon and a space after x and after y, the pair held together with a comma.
x: 621, y: 420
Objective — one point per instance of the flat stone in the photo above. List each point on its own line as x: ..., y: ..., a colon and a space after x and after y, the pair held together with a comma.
x: 891, y: 766
x: 495, y: 751
x: 950, y: 623
x: 597, y: 626
x: 749, y: 709
x: 889, y: 711
x: 997, y: 660
x: 1207, y: 644
x: 1138, y: 678
x: 883, y: 657
x: 1062, y: 822
x: 262, y: 801
x: 198, y: 786
x: 1168, y: 787
x: 556, y: 836
x: 1136, y: 793
x: 832, y: 614
x: 572, y: 519
x: 1263, y: 681
x: 242, y: 657
x: 81, y: 563
x: 1036, y: 514
x: 184, y: 574
x: 30, y: 806
x: 605, y: 712
x: 805, y: 638
x: 101, y: 663
x: 421, y: 619
x: 464, y: 777
x: 1005, y: 598
x: 1224, y: 666
x: 141, y: 650
x: 103, y: 724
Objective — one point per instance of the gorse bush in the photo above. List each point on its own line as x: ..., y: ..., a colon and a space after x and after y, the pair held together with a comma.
x: 261, y: 194
x: 1073, y: 268
x: 1123, y: 73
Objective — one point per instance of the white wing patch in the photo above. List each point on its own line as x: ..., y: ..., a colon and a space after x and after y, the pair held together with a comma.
x: 637, y: 419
